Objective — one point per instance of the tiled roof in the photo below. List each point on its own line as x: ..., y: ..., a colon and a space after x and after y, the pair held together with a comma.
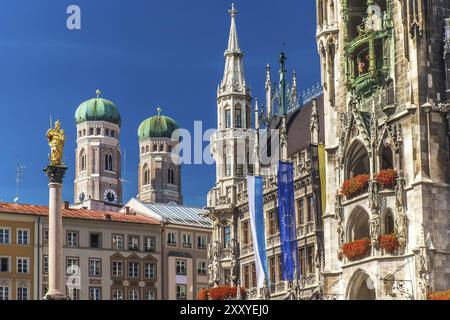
x: 77, y: 213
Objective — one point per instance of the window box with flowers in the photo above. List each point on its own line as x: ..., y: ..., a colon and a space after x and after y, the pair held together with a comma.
x: 357, y: 249
x: 219, y: 293
x: 389, y: 243
x: 442, y: 295
x: 387, y: 178
x: 355, y: 186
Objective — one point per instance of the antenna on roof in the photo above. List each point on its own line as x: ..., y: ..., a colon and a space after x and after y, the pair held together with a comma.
x: 19, y: 174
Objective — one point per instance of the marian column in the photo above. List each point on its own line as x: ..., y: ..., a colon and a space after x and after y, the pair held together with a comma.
x: 55, y: 172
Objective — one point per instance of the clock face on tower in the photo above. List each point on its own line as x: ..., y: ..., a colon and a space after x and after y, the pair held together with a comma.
x: 110, y: 196
x: 81, y: 197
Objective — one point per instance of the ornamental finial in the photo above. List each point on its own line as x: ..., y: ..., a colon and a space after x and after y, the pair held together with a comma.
x: 159, y: 111
x: 232, y: 11
x: 98, y: 92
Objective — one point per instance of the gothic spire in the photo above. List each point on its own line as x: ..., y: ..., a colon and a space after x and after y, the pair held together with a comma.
x: 233, y: 77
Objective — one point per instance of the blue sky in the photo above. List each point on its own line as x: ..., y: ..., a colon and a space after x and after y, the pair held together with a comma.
x: 141, y: 54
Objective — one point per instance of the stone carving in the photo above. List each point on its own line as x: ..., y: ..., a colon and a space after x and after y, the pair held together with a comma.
x: 213, y: 268
x: 424, y: 286
x: 374, y: 224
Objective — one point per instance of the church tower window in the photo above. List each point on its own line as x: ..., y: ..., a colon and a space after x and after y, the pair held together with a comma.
x: 171, y: 176
x: 146, y: 175
x: 228, y: 118
x: 238, y: 122
x: 82, y: 160
x: 108, y: 162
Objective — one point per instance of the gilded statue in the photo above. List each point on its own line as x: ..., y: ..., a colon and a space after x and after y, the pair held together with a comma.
x: 56, y: 139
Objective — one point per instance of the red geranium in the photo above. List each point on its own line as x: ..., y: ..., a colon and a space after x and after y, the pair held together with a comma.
x: 203, y: 294
x: 355, y: 185
x: 223, y: 292
x: 389, y: 242
x: 387, y: 177
x: 443, y: 295
x: 357, y: 249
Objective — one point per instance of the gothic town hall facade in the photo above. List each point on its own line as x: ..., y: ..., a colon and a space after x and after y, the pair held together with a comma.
x: 382, y: 229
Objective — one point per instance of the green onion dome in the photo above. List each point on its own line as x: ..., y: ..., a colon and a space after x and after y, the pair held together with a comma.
x: 157, y: 127
x: 97, y: 109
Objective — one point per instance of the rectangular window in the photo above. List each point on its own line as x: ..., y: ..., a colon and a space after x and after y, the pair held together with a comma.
x: 302, y: 258
x: 149, y: 243
x: 310, y: 252
x: 5, y: 235
x: 181, y: 292
x: 95, y: 240
x: 95, y: 267
x: 171, y: 239
x: 117, y: 269
x: 22, y: 236
x: 45, y: 264
x: 117, y: 241
x: 72, y: 239
x: 228, y: 163
x: 45, y: 236
x: 228, y: 118
x: 73, y: 293
x: 280, y: 270
x: 91, y: 131
x: 181, y: 267
x: 71, y: 265
x: 4, y: 293
x: 22, y: 293
x: 226, y: 236
x: 301, y: 211
x: 202, y: 242
x: 133, y: 294
x: 133, y: 269
x: 4, y: 264
x: 149, y: 295
x: 253, y: 275
x: 272, y: 269
x: 202, y: 268
x: 273, y: 223
x: 149, y: 270
x: 246, y: 277
x: 22, y: 265
x: 117, y: 294
x: 133, y: 242
x: 240, y: 170
x: 187, y: 240
x: 98, y: 131
x: 245, y: 232
x: 95, y: 293
x: 238, y: 122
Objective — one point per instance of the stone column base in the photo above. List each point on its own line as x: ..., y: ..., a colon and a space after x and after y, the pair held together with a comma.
x: 55, y: 295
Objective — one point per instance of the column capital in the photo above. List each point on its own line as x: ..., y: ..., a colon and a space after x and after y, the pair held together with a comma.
x: 55, y: 174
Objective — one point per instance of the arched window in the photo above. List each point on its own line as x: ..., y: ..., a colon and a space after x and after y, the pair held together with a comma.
x: 238, y: 118
x: 227, y: 118
x: 357, y: 160
x: 84, y: 132
x: 390, y: 93
x: 171, y: 176
x: 108, y: 162
x: 358, y: 225
x: 387, y: 161
x: 147, y: 149
x: 82, y: 160
x: 142, y: 149
x: 169, y: 148
x: 145, y: 175
x: 79, y: 133
x: 161, y: 147
x: 388, y: 222
x: 155, y: 148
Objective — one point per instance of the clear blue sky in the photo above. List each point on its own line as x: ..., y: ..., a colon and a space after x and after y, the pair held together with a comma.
x: 141, y: 54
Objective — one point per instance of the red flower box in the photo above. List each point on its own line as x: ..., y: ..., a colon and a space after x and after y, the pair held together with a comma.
x: 389, y: 242
x: 219, y: 293
x: 443, y: 295
x: 387, y: 177
x: 357, y: 249
x: 355, y: 185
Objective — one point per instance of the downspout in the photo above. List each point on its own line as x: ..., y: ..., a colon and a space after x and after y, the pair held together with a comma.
x: 162, y: 260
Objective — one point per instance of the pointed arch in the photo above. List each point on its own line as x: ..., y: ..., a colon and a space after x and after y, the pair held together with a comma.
x: 356, y: 159
x: 170, y: 176
x: 82, y: 160
x: 358, y: 225
x: 109, y: 162
x: 360, y: 286
x: 145, y: 175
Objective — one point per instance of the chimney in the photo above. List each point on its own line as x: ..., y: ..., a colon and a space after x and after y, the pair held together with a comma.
x: 127, y: 209
x: 108, y: 216
x: 66, y: 205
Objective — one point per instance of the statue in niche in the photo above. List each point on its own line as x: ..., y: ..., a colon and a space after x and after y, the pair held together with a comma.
x: 362, y: 62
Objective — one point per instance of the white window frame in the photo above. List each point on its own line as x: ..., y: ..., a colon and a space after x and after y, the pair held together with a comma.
x: 97, y: 262
x: 20, y: 295
x: 95, y: 292
x: 133, y: 294
x: 3, y: 229
x: 205, y: 237
x: 150, y: 270
x: 188, y: 237
x: 77, y: 264
x: 150, y: 295
x: 117, y: 241
x: 71, y: 241
x: 202, y: 265
x: 178, y: 294
x: 180, y: 265
x: 2, y: 293
x: 45, y: 264
x: 20, y: 239
x: 135, y: 271
x: 172, y: 236
x: 117, y: 294
x: 133, y: 242
x: 115, y: 268
x: 149, y: 243
x: 22, y: 264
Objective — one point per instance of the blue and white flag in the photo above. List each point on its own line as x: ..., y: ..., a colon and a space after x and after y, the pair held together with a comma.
x: 255, y: 205
x: 286, y: 214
